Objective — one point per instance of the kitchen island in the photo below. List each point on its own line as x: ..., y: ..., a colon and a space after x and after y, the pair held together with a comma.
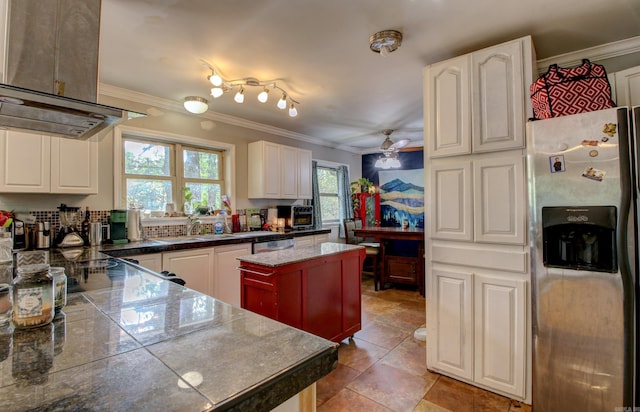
x: 129, y: 340
x: 316, y: 288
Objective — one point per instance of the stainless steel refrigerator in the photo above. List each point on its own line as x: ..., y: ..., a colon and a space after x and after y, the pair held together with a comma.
x: 583, y: 211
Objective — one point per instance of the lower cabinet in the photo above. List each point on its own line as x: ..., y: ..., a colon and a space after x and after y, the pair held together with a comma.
x: 320, y: 295
x: 212, y: 271
x: 226, y: 275
x: 152, y: 261
x: 311, y: 240
x: 195, y: 266
x: 477, y: 329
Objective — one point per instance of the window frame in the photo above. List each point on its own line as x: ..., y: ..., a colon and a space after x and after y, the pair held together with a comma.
x: 334, y: 168
x: 122, y: 133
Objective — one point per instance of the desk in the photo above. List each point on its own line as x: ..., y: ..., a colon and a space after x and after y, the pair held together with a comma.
x: 398, y: 269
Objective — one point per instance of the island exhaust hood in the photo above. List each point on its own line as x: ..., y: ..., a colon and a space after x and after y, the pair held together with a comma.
x: 51, y: 78
x: 25, y: 109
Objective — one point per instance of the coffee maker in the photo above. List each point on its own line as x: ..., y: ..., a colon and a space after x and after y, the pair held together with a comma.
x: 118, y: 227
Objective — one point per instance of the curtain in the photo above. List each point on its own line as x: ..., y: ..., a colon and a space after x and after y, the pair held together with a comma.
x: 315, y: 199
x: 344, y: 197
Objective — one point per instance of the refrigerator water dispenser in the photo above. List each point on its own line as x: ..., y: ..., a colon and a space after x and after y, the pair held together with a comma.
x: 580, y: 238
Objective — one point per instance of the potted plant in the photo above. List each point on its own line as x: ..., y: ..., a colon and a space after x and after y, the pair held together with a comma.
x: 186, y: 193
x: 362, y: 185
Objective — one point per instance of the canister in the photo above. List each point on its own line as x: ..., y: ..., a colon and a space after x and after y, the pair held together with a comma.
x: 95, y: 233
x: 33, y: 296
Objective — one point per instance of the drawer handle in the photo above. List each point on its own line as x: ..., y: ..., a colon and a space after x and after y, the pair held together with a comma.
x: 254, y: 272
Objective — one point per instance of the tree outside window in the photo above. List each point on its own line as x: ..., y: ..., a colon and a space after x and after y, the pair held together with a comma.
x: 328, y: 188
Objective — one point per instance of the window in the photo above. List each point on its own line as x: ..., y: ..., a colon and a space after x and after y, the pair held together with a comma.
x: 328, y: 188
x: 155, y: 174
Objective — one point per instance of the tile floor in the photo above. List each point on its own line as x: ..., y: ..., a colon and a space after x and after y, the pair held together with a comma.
x: 384, y: 368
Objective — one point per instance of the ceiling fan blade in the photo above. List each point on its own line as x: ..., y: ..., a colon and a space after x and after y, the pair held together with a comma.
x: 400, y: 144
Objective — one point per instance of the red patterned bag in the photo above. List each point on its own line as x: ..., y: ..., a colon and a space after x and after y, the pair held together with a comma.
x: 564, y: 91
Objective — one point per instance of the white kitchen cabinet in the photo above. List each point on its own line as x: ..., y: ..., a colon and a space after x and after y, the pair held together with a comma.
x: 74, y: 166
x: 226, y: 276
x: 478, y: 102
x: 304, y: 241
x: 43, y: 164
x: 26, y: 162
x: 194, y: 266
x: 311, y: 240
x: 151, y: 261
x: 451, y: 199
x: 499, y: 199
x: 478, y: 329
x: 481, y: 200
x: 627, y: 87
x: 320, y: 239
x: 448, y: 107
x: 450, y: 323
x: 500, y: 333
x: 278, y: 171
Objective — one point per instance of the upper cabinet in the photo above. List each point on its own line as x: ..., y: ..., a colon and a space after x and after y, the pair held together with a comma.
x: 43, y: 164
x: 627, y: 87
x: 478, y: 102
x: 278, y: 172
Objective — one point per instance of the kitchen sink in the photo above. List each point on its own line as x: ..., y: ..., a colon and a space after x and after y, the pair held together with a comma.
x: 178, y: 239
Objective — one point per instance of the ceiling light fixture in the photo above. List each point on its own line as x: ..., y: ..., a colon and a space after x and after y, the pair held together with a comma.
x: 222, y: 86
x: 390, y: 151
x: 385, y: 42
x: 196, y: 104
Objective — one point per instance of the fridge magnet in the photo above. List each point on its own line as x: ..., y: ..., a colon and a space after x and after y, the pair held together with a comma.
x: 593, y: 153
x: 609, y: 129
x: 589, y: 142
x: 594, y: 174
x: 605, y: 139
x: 556, y: 164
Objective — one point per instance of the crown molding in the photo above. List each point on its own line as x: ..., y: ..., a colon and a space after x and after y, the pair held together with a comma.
x: 161, y: 103
x: 596, y: 53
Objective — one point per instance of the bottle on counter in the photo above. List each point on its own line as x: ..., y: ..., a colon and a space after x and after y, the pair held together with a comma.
x: 33, y: 296
x: 86, y: 224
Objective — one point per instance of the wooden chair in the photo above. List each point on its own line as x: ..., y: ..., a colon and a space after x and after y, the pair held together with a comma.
x: 372, y: 248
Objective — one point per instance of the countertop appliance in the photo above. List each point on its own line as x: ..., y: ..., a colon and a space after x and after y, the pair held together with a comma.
x: 297, y: 216
x: 68, y: 235
x: 584, y: 216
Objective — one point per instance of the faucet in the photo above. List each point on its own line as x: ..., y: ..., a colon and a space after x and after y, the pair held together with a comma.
x: 192, y: 221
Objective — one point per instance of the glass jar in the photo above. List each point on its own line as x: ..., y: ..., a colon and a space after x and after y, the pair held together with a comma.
x: 60, y: 285
x: 33, y: 296
x: 6, y: 247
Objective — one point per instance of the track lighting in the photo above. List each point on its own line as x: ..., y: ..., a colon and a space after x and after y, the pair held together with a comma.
x: 215, y: 79
x: 222, y: 86
x: 292, y: 110
x: 195, y: 104
x: 282, y: 103
x: 239, y: 97
x: 263, y: 96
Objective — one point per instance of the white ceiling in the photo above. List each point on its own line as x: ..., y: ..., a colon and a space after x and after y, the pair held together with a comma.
x: 318, y: 50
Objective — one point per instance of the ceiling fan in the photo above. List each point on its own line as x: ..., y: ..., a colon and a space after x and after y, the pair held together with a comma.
x: 388, y: 147
x: 390, y: 151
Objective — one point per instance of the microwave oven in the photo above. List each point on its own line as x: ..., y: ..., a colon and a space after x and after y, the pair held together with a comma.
x: 297, y: 216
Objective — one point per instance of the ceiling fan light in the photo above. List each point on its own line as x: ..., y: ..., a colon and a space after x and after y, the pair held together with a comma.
x: 195, y: 104
x: 292, y: 111
x: 263, y: 96
x: 282, y: 103
x: 215, y: 79
x: 217, y: 92
x: 239, y: 97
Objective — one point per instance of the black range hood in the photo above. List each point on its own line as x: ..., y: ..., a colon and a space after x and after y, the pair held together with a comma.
x: 24, y: 109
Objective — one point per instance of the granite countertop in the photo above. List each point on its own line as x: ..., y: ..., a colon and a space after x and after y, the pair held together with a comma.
x: 127, y: 337
x: 165, y: 244
x: 287, y: 256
